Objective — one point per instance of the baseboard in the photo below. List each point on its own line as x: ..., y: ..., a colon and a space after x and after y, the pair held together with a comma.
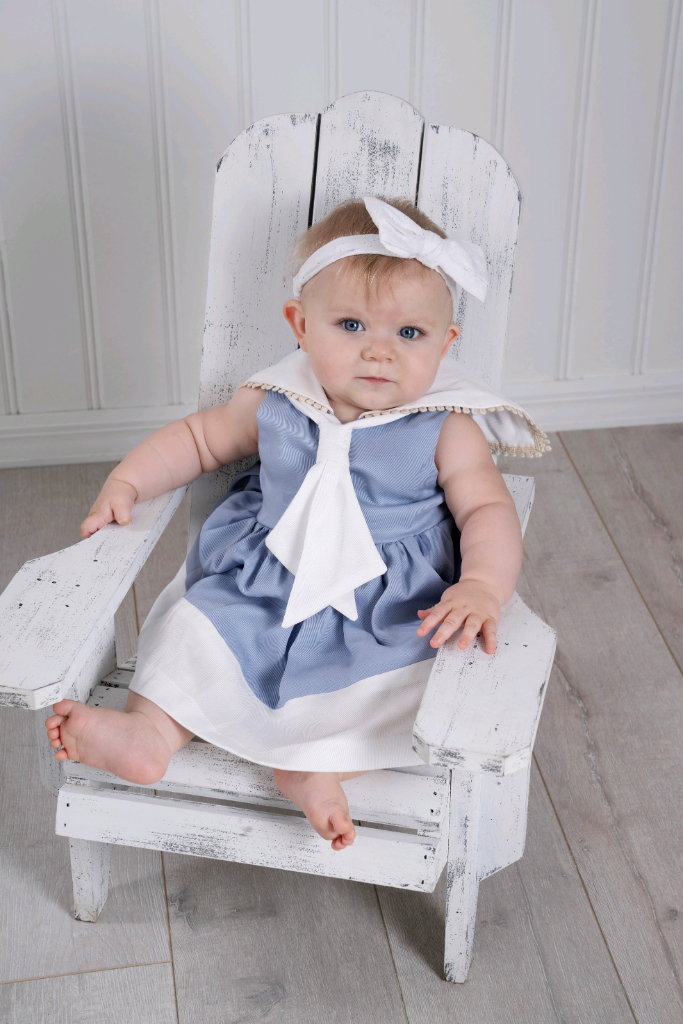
x: 95, y: 435
x: 106, y: 435
x: 592, y: 403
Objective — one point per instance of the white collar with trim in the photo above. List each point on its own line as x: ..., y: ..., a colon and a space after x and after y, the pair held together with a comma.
x: 507, y: 427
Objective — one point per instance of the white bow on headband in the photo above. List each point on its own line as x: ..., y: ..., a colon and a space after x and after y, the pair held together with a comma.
x: 460, y: 263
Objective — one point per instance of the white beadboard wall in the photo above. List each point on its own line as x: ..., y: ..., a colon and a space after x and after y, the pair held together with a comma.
x: 113, y: 115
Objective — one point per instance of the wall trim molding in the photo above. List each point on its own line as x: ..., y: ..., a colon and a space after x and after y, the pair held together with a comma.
x: 79, y: 206
x: 163, y: 187
x: 106, y: 435
x: 577, y: 178
x: 93, y: 435
x: 597, y: 402
x: 8, y: 375
x: 654, y: 211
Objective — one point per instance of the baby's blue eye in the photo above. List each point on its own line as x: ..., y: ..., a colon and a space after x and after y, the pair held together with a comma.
x: 409, y: 332
x: 352, y: 325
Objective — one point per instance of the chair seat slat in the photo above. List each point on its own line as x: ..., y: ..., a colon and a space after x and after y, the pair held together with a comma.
x: 379, y: 856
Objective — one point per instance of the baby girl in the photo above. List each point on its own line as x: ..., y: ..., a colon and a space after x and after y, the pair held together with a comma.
x: 300, y: 634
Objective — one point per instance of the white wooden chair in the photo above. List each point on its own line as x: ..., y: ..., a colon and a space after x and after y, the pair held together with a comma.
x: 466, y: 807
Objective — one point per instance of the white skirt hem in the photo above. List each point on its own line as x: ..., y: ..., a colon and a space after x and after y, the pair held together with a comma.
x: 186, y: 668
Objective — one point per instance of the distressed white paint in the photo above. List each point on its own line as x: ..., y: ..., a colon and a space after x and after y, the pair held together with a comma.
x: 369, y: 145
x: 502, y: 821
x: 56, y: 615
x: 462, y: 884
x: 247, y: 836
x: 480, y: 711
x: 467, y: 187
x: 90, y: 873
x: 50, y: 769
x: 487, y: 831
x: 522, y: 490
x: 261, y: 205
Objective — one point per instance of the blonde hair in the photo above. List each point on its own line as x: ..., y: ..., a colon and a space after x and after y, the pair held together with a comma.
x: 352, y: 218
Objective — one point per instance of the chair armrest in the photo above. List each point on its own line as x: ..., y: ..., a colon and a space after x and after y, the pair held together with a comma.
x: 480, y: 711
x: 522, y: 490
x: 55, y: 608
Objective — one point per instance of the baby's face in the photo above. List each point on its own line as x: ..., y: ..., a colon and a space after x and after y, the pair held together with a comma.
x: 377, y: 349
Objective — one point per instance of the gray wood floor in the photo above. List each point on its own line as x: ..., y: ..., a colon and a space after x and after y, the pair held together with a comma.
x: 587, y: 927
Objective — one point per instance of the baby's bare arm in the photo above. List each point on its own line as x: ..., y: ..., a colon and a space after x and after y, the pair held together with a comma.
x: 490, y: 541
x: 176, y: 455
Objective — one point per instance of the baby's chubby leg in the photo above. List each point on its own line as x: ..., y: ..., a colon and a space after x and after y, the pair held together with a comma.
x: 135, y: 744
x: 322, y: 799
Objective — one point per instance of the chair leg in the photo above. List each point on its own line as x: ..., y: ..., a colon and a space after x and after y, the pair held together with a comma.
x: 462, y: 880
x: 50, y: 768
x: 90, y: 863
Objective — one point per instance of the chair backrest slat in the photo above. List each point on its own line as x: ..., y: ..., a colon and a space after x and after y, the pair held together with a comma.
x: 467, y: 188
x: 261, y: 204
x: 369, y: 145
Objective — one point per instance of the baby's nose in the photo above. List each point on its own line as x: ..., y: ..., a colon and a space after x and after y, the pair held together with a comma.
x: 379, y: 348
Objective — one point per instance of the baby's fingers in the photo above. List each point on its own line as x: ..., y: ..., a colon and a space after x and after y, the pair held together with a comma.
x: 470, y: 630
x: 431, y: 617
x: 121, y: 508
x: 95, y: 521
x: 118, y: 510
x: 490, y: 629
x: 450, y: 624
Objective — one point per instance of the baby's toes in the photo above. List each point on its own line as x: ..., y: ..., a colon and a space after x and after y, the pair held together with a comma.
x: 63, y: 708
x: 341, y: 842
x: 342, y: 826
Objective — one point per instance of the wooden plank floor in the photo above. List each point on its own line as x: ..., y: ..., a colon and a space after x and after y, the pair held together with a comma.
x: 587, y: 927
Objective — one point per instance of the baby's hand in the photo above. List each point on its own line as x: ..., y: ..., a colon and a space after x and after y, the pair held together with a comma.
x: 114, y: 503
x: 469, y: 603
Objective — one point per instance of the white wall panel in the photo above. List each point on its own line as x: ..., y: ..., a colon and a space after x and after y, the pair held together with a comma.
x: 8, y: 383
x: 375, y: 46
x: 202, y: 95
x: 113, y: 116
x: 287, y: 43
x: 34, y: 199
x: 461, y: 46
x: 663, y: 326
x: 110, y: 60
x: 542, y: 90
x: 631, y: 38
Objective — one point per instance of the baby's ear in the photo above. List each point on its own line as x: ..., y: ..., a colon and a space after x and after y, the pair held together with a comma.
x: 293, y: 313
x: 452, y: 333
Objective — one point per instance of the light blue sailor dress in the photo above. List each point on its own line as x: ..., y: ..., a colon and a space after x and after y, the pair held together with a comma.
x: 330, y: 692
x: 289, y: 636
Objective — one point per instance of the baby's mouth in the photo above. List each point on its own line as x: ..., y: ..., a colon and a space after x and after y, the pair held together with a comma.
x: 377, y: 380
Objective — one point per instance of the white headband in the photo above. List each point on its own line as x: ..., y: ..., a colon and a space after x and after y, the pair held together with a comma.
x: 460, y: 263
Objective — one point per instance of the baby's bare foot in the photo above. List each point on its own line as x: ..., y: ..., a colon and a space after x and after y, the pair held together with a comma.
x: 323, y: 801
x: 125, y: 743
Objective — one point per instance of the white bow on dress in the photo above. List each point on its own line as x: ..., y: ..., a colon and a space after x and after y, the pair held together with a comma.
x: 322, y: 537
